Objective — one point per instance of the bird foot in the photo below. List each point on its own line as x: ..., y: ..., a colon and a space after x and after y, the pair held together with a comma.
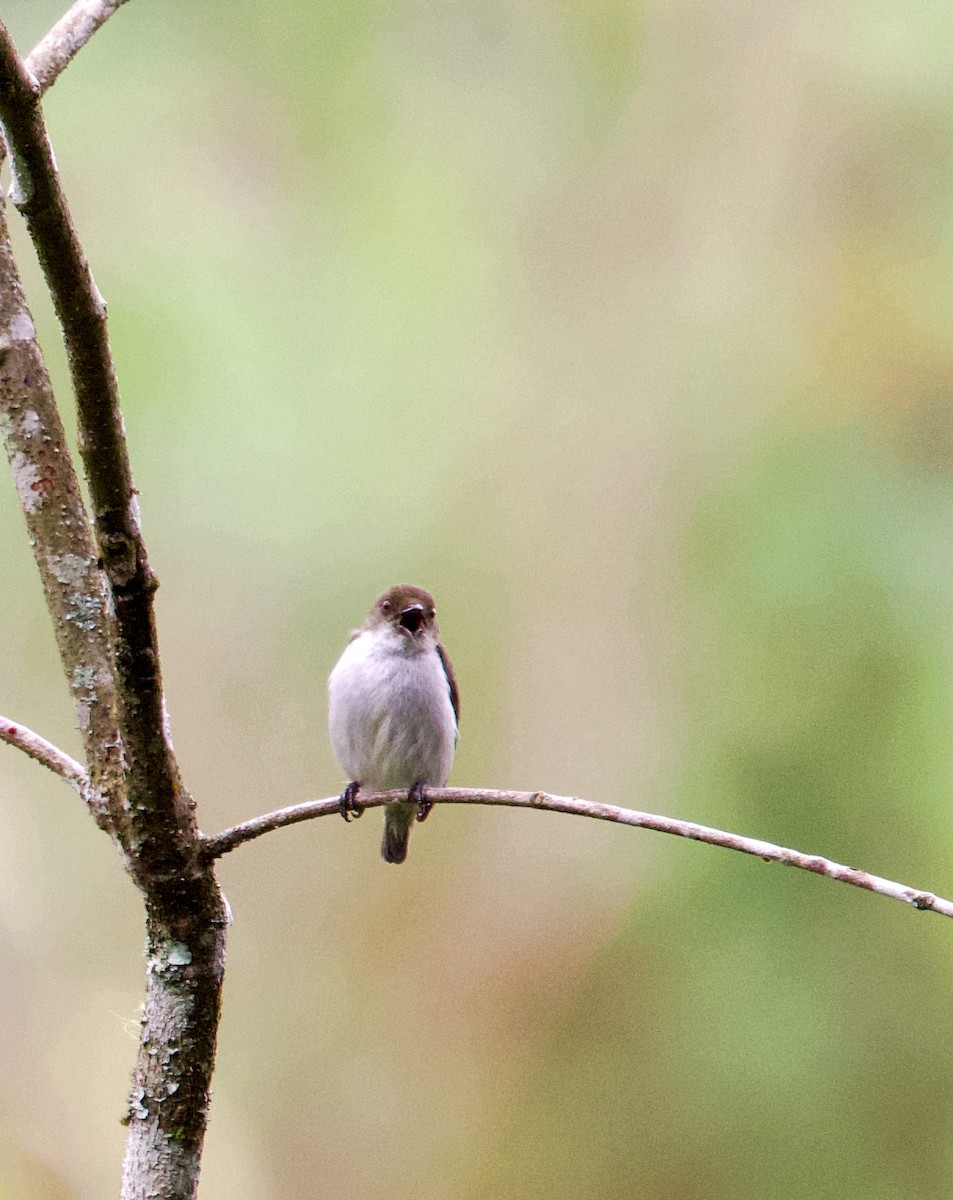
x: 418, y: 795
x: 348, y: 805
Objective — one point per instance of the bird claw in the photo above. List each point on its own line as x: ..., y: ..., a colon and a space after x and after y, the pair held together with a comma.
x: 418, y: 795
x: 348, y: 806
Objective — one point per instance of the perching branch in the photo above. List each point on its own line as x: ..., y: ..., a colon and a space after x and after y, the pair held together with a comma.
x: 45, y: 752
x: 222, y: 843
x: 68, y: 36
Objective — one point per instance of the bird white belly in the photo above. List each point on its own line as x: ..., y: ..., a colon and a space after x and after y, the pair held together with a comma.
x: 391, y: 719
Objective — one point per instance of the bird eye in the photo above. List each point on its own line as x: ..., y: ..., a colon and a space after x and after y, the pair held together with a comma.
x: 386, y: 606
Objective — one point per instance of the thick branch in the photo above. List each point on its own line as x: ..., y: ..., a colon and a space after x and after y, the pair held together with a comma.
x: 67, y: 37
x: 160, y: 822
x: 60, y: 535
x: 222, y: 843
x: 187, y: 923
x: 154, y: 819
x: 46, y: 753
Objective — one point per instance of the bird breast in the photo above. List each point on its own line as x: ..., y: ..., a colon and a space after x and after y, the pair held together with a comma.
x: 391, y: 719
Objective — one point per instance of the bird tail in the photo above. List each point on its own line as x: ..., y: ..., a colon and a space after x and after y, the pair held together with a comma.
x: 398, y: 819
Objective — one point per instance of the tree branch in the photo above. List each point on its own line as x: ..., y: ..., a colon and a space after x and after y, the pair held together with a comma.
x: 229, y: 839
x: 46, y: 753
x: 67, y: 37
x: 159, y: 817
x: 153, y: 818
x: 60, y: 534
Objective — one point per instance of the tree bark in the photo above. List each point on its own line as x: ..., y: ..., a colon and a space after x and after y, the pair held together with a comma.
x: 187, y: 923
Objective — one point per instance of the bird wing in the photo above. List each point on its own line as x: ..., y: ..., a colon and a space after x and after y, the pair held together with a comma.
x: 451, y: 681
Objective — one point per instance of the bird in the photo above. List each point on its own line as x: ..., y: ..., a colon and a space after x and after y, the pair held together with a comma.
x: 394, y: 711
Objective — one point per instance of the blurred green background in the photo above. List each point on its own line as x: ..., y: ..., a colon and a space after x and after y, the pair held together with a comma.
x: 626, y: 330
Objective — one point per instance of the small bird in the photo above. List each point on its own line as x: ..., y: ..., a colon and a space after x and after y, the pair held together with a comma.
x: 393, y: 711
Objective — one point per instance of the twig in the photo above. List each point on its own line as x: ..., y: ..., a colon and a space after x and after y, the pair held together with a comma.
x: 222, y: 843
x: 46, y: 753
x: 70, y: 33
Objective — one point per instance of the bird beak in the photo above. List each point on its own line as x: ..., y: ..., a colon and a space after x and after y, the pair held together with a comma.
x: 411, y: 618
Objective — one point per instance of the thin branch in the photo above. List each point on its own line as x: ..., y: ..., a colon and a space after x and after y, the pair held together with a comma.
x: 222, y: 843
x: 160, y: 820
x: 67, y: 37
x: 46, y: 753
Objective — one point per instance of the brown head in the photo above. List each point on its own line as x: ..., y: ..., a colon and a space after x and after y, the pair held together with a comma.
x: 409, y: 610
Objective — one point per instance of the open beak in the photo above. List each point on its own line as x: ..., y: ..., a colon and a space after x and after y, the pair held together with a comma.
x: 412, y: 618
